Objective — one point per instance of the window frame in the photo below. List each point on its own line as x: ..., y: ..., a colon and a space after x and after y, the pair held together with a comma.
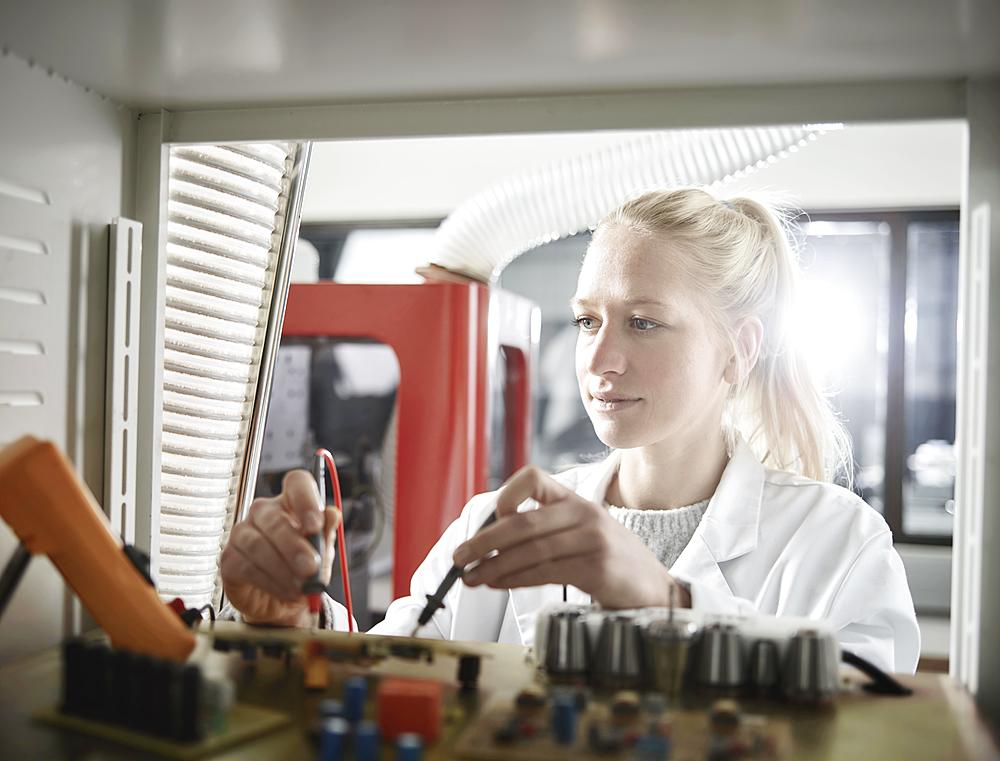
x: 898, y: 221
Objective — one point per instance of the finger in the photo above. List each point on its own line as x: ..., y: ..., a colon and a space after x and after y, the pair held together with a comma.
x: 300, y: 497
x: 275, y: 524
x: 552, y: 547
x: 575, y: 570
x: 254, y: 545
x: 241, y: 570
x: 512, y: 530
x: 331, y: 519
x: 530, y: 482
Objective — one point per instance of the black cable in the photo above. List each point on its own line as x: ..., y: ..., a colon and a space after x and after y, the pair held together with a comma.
x: 881, y: 682
x: 12, y: 574
x: 211, y: 611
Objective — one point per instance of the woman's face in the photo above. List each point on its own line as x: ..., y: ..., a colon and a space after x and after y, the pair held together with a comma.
x: 648, y: 359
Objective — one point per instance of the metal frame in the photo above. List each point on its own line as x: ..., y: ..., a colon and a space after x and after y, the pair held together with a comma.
x: 272, y: 336
x: 661, y: 108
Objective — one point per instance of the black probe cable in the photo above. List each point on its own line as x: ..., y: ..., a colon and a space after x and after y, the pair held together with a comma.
x: 881, y: 682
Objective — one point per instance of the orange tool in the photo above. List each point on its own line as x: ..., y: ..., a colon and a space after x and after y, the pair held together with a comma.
x: 53, y: 513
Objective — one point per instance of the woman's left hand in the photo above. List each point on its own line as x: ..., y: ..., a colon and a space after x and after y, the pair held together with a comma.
x: 567, y: 540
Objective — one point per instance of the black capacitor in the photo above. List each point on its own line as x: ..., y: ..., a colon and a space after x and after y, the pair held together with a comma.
x: 720, y: 661
x: 104, y: 689
x: 567, y: 646
x: 468, y: 672
x: 764, y: 670
x: 92, y: 689
x: 618, y: 657
x: 73, y: 654
x: 140, y: 717
x: 161, y: 702
x: 192, y: 695
x: 122, y: 665
x: 810, y: 668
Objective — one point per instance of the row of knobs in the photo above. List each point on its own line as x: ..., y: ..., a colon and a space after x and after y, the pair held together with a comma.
x: 670, y: 655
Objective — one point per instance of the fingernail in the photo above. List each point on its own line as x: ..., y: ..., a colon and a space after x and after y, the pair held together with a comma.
x: 305, y: 564
x: 462, y: 556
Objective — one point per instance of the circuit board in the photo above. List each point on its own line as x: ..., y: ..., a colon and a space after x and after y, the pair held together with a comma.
x: 488, y: 720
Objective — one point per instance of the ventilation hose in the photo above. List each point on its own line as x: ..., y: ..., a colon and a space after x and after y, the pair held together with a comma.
x: 495, y: 226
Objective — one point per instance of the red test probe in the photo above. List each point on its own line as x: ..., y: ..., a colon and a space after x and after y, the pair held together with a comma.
x: 313, y: 587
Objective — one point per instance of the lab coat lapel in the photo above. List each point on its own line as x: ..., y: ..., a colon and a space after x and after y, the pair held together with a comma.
x: 730, y: 525
x: 527, y: 601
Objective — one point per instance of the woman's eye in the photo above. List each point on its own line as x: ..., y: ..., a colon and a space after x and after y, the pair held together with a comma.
x: 584, y: 323
x: 642, y: 324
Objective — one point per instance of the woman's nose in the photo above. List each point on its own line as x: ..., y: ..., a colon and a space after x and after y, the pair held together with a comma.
x: 604, y: 354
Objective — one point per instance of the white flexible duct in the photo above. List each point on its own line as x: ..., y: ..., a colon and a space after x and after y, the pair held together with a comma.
x: 499, y: 224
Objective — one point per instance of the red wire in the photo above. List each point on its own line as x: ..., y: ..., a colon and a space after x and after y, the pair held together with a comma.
x: 341, y: 541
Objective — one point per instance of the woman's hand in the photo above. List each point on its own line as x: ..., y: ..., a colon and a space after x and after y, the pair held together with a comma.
x: 567, y: 540
x: 267, y: 557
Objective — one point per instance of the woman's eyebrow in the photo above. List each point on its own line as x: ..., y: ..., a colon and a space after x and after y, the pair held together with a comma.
x: 575, y: 302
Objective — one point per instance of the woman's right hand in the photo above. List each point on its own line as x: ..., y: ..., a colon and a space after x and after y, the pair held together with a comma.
x: 267, y: 557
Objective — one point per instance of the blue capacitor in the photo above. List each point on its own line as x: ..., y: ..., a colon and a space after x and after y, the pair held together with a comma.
x: 653, y: 747
x: 409, y: 747
x: 564, y: 718
x: 355, y: 694
x: 366, y: 742
x: 333, y: 741
x: 330, y: 708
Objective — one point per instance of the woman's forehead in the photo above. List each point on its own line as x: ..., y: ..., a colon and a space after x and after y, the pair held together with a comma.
x: 628, y: 265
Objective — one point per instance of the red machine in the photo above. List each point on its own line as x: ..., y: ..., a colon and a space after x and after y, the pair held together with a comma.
x: 444, y: 335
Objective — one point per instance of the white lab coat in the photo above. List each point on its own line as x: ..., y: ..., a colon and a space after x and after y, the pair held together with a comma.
x: 770, y: 542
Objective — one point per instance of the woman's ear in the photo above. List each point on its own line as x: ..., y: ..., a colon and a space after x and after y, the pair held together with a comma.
x: 749, y: 338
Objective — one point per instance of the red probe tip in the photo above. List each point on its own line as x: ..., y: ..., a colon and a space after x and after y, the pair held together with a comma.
x: 315, y: 602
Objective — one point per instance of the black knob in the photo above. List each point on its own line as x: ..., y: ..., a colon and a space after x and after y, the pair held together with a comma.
x: 618, y: 661
x: 567, y: 646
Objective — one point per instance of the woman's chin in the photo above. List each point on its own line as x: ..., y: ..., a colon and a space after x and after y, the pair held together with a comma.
x: 619, y: 437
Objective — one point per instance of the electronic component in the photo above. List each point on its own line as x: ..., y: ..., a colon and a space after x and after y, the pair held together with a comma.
x: 410, y: 706
x: 468, y: 672
x: 334, y: 739
x: 355, y: 694
x: 618, y: 660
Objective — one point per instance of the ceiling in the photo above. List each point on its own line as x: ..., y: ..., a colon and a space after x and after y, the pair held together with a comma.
x: 187, y: 54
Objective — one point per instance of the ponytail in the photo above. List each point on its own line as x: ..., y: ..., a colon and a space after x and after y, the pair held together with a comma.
x: 739, y: 252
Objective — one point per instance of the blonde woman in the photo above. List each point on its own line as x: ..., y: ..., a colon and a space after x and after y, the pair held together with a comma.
x: 719, y: 480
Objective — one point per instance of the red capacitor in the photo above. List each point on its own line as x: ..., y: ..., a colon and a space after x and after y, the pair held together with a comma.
x: 410, y: 705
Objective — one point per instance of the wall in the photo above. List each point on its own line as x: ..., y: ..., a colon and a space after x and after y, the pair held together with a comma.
x: 981, y: 209
x: 65, y: 165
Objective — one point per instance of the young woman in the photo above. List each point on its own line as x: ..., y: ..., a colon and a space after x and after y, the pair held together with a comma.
x: 718, y: 484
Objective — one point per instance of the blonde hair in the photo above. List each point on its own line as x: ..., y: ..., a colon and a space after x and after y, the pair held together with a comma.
x: 738, y: 251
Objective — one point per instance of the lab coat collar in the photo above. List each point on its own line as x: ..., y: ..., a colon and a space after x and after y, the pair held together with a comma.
x: 730, y: 524
x: 728, y: 530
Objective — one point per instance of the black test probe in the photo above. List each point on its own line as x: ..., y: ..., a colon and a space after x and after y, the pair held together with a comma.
x: 436, y: 600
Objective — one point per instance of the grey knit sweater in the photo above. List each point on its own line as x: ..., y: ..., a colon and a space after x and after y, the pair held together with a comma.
x: 665, y: 532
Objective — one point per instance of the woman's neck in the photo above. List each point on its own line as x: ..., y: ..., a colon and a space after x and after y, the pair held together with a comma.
x: 660, y: 477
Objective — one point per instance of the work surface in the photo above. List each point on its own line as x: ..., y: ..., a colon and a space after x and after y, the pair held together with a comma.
x: 937, y: 722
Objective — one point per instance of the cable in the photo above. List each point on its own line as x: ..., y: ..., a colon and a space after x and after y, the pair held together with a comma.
x: 882, y: 683
x: 341, y: 540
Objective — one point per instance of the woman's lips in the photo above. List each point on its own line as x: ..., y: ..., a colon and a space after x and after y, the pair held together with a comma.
x: 612, y: 404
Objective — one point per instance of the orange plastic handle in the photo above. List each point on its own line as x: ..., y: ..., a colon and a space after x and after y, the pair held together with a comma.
x: 53, y: 513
